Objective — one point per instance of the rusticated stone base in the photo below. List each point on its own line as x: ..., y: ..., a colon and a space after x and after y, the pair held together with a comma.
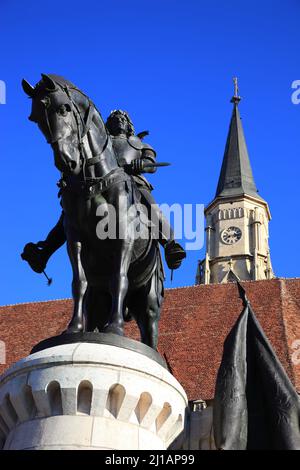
x: 90, y: 396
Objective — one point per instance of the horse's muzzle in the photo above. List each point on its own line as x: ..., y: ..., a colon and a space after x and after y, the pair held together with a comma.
x: 65, y: 160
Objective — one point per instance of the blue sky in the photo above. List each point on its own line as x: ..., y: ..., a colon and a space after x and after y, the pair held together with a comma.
x: 170, y: 65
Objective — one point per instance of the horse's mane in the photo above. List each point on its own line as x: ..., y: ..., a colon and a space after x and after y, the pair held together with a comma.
x: 64, y: 83
x: 82, y: 100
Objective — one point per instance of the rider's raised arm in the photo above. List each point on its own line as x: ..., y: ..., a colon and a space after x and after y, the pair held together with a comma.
x: 38, y: 254
x: 148, y: 156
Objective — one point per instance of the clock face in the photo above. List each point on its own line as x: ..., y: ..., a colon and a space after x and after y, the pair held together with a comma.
x: 231, y: 235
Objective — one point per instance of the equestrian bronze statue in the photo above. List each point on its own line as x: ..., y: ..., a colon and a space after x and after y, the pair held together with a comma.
x: 120, y: 276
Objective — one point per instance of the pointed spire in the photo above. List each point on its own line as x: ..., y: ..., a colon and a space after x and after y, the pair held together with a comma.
x: 236, y: 176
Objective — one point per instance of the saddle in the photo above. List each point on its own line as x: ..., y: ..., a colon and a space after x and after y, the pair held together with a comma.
x: 94, y: 186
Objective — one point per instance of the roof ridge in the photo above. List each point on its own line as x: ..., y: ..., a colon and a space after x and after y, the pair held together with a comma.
x: 35, y: 302
x: 167, y: 289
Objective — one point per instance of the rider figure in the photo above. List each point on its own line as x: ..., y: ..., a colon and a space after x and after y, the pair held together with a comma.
x: 133, y: 155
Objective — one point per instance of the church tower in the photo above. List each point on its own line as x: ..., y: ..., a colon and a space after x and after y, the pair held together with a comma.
x: 237, y: 220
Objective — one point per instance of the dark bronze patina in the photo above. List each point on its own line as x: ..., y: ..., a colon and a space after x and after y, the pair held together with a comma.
x: 113, y: 279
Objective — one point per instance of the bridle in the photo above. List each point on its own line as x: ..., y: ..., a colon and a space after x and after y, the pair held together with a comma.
x: 91, y: 185
x: 83, y: 125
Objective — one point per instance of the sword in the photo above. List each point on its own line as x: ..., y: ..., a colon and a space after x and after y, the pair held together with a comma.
x: 156, y: 165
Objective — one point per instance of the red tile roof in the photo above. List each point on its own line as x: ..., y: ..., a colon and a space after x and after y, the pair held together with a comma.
x: 194, y: 323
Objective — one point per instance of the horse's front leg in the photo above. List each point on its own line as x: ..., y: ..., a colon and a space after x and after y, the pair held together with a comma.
x: 119, y: 286
x: 79, y: 285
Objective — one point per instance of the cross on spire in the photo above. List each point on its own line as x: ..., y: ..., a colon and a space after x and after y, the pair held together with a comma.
x: 236, y: 87
x: 236, y: 98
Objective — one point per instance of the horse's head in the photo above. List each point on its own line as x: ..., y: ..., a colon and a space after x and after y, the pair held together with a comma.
x: 58, y: 109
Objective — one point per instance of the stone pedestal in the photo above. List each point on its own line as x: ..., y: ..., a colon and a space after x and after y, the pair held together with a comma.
x: 90, y: 396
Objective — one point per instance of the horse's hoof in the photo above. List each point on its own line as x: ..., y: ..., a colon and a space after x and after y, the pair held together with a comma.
x: 74, y: 329
x: 114, y: 329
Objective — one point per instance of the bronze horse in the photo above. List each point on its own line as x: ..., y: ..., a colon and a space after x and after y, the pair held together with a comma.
x: 114, y: 278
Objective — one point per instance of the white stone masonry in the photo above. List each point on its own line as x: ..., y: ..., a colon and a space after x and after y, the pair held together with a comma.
x: 89, y: 396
